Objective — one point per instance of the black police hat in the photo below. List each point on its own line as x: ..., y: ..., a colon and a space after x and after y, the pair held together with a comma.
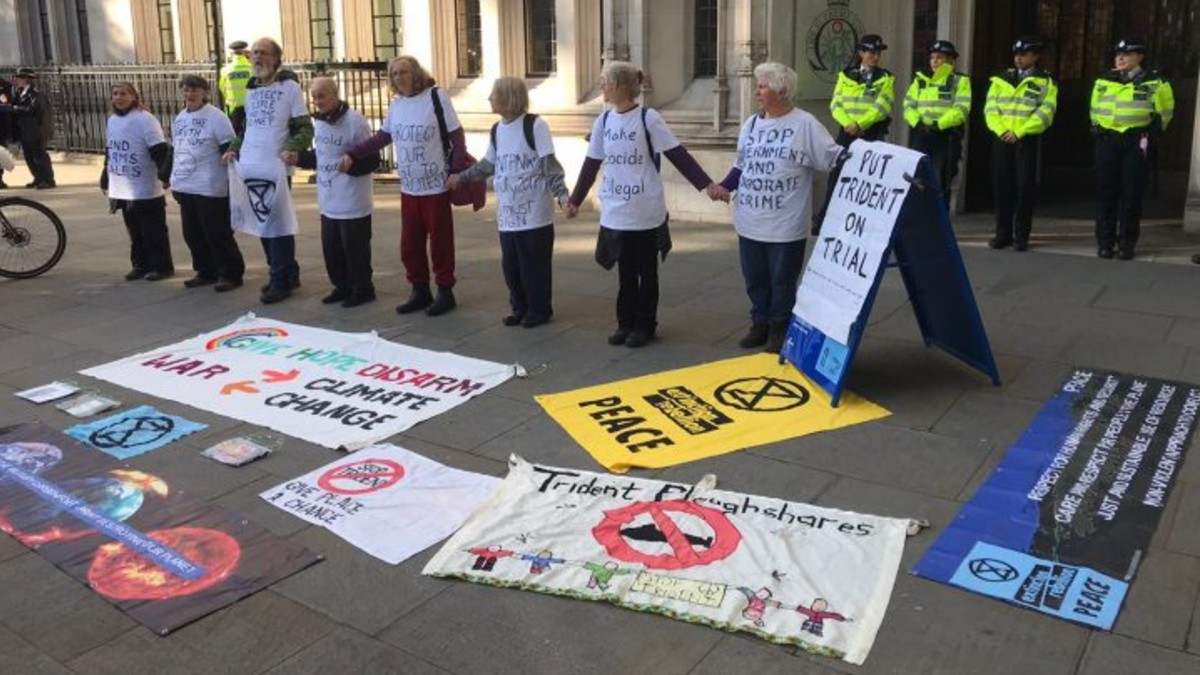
x: 237, y: 45
x: 871, y: 43
x: 1130, y: 45
x: 26, y: 72
x: 943, y: 47
x: 1027, y: 43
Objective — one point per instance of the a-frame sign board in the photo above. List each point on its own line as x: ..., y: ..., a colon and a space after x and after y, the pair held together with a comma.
x: 887, y: 205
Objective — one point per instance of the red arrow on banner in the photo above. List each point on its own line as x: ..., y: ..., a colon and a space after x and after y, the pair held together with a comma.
x: 273, y: 376
x: 241, y: 385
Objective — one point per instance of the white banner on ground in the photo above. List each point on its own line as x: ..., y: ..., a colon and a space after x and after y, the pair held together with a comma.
x: 848, y: 253
x: 787, y: 572
x: 260, y: 201
x: 339, y: 390
x: 388, y: 501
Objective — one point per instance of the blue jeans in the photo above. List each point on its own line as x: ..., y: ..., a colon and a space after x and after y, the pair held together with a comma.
x: 281, y: 258
x: 771, y: 271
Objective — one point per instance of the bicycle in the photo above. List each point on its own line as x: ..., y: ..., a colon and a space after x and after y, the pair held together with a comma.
x: 32, y: 237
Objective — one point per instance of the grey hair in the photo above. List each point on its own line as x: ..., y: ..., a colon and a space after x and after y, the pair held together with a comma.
x: 625, y: 76
x: 511, y: 96
x: 325, y: 81
x: 779, y: 78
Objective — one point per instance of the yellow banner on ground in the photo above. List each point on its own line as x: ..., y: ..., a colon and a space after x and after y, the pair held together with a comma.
x: 687, y: 414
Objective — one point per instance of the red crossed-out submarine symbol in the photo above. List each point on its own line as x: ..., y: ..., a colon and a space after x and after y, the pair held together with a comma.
x: 614, y: 534
x: 269, y: 377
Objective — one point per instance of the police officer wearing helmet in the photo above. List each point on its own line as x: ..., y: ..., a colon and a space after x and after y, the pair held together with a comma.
x: 235, y: 77
x: 936, y: 106
x: 1020, y: 107
x: 1130, y: 107
x: 861, y: 104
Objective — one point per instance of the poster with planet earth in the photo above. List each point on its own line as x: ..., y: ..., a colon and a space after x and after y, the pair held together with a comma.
x: 163, y: 558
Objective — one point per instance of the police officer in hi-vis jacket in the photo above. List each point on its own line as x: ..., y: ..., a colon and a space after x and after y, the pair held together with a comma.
x: 1020, y: 107
x: 1130, y: 107
x: 936, y: 106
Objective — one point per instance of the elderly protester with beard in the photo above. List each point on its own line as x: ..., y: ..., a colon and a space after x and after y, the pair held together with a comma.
x: 276, y: 121
x: 137, y: 167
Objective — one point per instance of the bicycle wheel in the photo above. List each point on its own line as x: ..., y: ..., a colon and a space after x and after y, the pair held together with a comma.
x: 32, y: 238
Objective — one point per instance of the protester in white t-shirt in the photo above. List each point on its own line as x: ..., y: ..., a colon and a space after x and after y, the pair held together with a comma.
x: 528, y: 179
x: 200, y: 134
x: 344, y: 197
x: 779, y: 148
x: 423, y: 165
x: 137, y: 166
x: 276, y: 121
x: 627, y: 139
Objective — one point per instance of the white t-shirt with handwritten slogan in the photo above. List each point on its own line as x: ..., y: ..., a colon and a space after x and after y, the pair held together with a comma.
x: 340, y: 195
x: 198, y: 136
x: 523, y: 197
x: 268, y: 111
x: 631, y: 191
x: 420, y: 159
x: 132, y: 173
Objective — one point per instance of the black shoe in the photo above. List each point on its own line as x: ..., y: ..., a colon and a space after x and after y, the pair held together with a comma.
x: 998, y: 243
x: 618, y: 337
x: 337, y: 295
x: 755, y: 337
x: 1021, y: 246
x: 639, y: 338
x: 32, y: 184
x: 159, y: 276
x: 224, y: 285
x: 356, y: 299
x: 1125, y: 254
x: 274, y: 295
x: 198, y: 281
x: 3, y: 185
x: 531, y: 321
x: 45, y: 186
x: 295, y: 283
x: 444, y: 302
x: 419, y: 299
x: 1105, y: 252
x: 1196, y: 259
x: 512, y: 320
x: 776, y: 334
x: 135, y: 274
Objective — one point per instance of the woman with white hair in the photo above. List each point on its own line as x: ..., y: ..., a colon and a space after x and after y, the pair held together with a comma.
x: 779, y: 148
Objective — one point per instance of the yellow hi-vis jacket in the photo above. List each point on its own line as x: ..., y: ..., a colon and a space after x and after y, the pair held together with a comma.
x: 941, y: 99
x: 860, y: 102
x: 1024, y: 106
x: 235, y: 75
x: 1144, y: 101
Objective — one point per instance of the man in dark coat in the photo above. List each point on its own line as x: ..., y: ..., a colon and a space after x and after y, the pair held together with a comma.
x: 33, y: 116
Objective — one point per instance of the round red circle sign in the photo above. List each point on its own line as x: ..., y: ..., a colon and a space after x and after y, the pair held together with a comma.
x: 723, y: 541
x: 360, y: 478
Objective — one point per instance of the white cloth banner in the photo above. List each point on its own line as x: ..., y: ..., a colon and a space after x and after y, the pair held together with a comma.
x: 787, y: 572
x: 854, y: 237
x: 388, y: 501
x: 260, y: 201
x: 339, y: 390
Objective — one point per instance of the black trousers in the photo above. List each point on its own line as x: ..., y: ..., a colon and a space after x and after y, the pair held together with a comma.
x: 1121, y: 171
x: 209, y: 237
x: 1014, y: 173
x: 346, y: 244
x: 637, y: 272
x: 38, y: 161
x: 525, y: 258
x: 149, y: 242
x: 944, y: 149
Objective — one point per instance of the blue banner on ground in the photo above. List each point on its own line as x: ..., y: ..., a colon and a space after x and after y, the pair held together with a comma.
x: 134, y: 432
x: 1082, y: 489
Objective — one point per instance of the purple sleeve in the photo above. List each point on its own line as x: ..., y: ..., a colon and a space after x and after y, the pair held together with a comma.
x: 731, y: 181
x: 687, y: 165
x: 376, y: 143
x: 587, y: 176
x: 458, y: 147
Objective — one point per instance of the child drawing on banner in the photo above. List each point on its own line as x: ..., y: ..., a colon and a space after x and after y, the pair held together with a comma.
x: 528, y: 180
x: 758, y: 602
x: 633, y: 211
x: 602, y: 575
x: 486, y: 557
x: 541, y: 562
x: 816, y: 616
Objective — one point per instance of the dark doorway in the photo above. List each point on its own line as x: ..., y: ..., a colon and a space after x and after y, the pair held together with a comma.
x: 1080, y: 35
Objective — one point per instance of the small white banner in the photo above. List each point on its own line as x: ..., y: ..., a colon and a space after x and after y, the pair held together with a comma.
x: 785, y: 571
x: 387, y: 501
x: 260, y: 200
x: 339, y: 390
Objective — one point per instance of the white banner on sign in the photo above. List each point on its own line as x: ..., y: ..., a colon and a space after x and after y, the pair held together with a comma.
x: 858, y: 225
x: 785, y: 571
x: 388, y: 501
x: 260, y: 201
x: 339, y: 390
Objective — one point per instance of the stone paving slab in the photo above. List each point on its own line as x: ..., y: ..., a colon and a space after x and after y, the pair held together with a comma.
x: 1117, y: 655
x: 348, y: 651
x: 18, y: 656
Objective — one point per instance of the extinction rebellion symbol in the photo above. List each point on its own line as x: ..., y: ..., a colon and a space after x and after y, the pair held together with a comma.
x: 262, y: 197
x: 762, y: 394
x: 992, y: 570
x: 130, y: 432
x: 832, y: 39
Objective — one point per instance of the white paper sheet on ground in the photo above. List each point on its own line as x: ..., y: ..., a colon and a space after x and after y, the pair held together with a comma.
x: 858, y: 225
x: 785, y: 571
x: 387, y: 501
x: 340, y: 390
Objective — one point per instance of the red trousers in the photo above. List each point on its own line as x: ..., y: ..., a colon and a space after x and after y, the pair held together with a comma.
x: 422, y: 218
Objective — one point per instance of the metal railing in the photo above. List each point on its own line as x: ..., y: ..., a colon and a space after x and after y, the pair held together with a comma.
x: 80, y: 95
